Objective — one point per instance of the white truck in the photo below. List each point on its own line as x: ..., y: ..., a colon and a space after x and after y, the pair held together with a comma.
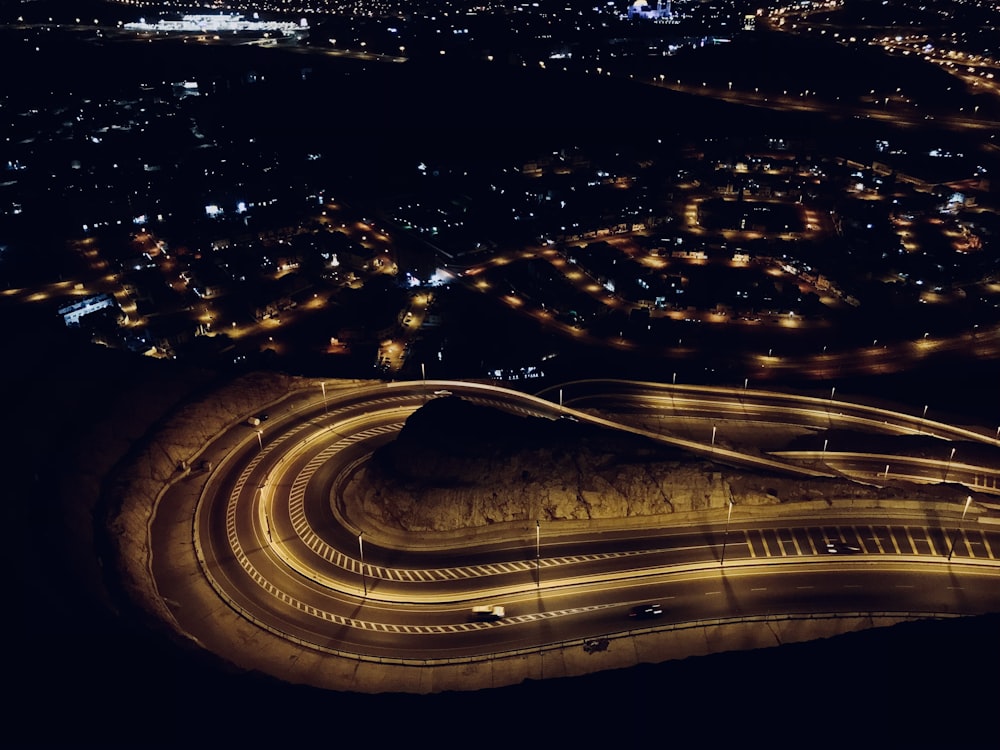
x: 488, y: 612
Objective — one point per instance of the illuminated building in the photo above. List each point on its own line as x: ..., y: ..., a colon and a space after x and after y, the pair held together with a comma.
x: 211, y: 23
x: 642, y: 9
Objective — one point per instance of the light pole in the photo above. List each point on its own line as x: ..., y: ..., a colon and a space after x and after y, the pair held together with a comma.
x: 947, y: 467
x: 955, y: 535
x: 538, y: 550
x: 361, y: 550
x: 260, y: 440
x: 323, y: 387
x: 725, y: 537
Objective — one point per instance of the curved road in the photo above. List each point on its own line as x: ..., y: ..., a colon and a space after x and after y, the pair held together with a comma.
x: 283, y: 545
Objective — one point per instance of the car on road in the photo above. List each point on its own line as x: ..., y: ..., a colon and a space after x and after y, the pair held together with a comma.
x: 645, y: 611
x: 840, y: 547
x: 488, y: 613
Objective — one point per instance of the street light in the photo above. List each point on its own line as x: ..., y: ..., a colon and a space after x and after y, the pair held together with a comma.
x: 725, y: 537
x: 323, y: 386
x: 361, y: 550
x: 260, y: 440
x: 538, y: 549
x: 947, y: 467
x: 968, y: 500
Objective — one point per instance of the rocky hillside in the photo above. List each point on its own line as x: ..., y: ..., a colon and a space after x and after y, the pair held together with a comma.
x: 457, y: 465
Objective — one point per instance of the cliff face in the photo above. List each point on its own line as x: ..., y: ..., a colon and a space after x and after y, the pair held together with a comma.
x: 457, y: 465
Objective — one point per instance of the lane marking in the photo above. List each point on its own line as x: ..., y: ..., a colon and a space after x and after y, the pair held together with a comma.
x: 913, y: 544
x: 892, y: 538
x: 930, y: 541
x: 795, y: 542
x: 861, y: 542
x: 781, y: 542
x: 809, y: 538
x: 986, y: 544
x: 875, y: 538
x: 763, y: 541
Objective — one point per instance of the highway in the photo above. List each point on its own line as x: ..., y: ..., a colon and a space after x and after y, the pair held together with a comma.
x: 280, y: 542
x: 814, y: 413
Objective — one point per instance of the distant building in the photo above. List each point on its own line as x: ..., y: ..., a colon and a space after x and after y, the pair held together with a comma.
x: 642, y: 9
x: 72, y: 314
x: 233, y: 23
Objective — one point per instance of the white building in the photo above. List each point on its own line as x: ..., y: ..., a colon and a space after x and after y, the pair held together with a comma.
x: 219, y: 23
x: 73, y: 312
x: 642, y: 9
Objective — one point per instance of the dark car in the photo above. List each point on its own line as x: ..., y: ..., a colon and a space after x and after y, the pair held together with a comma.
x: 644, y: 611
x: 262, y: 417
